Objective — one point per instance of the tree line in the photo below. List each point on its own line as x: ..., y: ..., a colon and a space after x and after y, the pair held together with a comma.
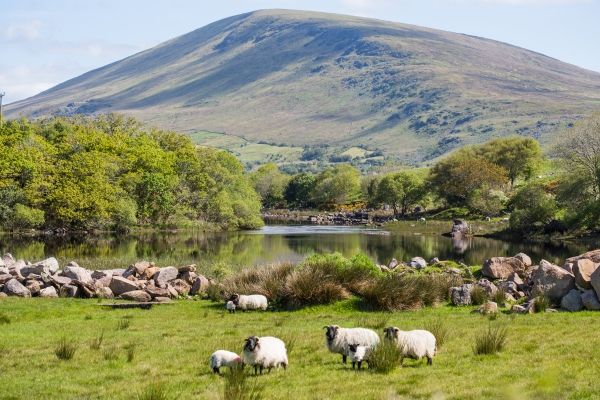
x: 110, y: 172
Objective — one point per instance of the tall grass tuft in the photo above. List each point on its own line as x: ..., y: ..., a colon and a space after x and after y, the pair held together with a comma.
x: 4, y: 319
x: 439, y: 329
x: 130, y: 351
x: 376, y: 322
x: 491, y: 340
x: 96, y: 342
x: 499, y: 297
x: 385, y: 358
x: 65, y: 349
x: 155, y: 391
x: 311, y: 285
x: 110, y: 353
x: 478, y: 295
x: 238, y: 387
x: 123, y: 324
x: 541, y: 303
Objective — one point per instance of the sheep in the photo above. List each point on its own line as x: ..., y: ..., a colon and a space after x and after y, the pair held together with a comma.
x: 249, y: 302
x: 265, y: 352
x: 358, y: 354
x: 224, y: 358
x: 230, y: 307
x: 413, y: 344
x: 338, y: 339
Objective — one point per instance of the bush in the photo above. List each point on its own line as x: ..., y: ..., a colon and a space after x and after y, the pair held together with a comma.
x: 237, y: 387
x: 439, y: 329
x: 490, y: 340
x: 541, y: 303
x: 65, y: 350
x: 24, y: 217
x: 385, y: 357
x: 499, y: 297
x: 532, y: 208
x: 478, y: 295
x: 311, y: 285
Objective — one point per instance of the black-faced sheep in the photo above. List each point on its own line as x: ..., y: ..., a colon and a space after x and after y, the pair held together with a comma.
x: 414, y: 344
x: 338, y: 339
x: 265, y: 352
x: 249, y: 302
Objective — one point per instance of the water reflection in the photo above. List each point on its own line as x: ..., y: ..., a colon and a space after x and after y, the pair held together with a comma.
x: 275, y: 244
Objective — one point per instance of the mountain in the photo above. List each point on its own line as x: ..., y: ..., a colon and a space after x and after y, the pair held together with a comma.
x: 299, y: 78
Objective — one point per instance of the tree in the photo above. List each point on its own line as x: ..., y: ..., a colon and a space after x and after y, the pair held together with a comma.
x: 519, y: 156
x: 457, y: 177
x: 270, y: 184
x: 338, y: 185
x: 400, y: 190
x: 299, y: 189
x: 532, y: 208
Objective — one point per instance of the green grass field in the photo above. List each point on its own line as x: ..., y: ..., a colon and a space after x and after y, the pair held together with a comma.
x: 547, y: 356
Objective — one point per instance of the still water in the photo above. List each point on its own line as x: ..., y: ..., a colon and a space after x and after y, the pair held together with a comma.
x: 275, y: 243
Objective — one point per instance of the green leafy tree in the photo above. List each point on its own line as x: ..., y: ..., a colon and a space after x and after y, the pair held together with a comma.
x: 299, y: 189
x: 338, y: 185
x: 519, y: 156
x: 532, y: 208
x: 401, y: 190
x: 270, y: 184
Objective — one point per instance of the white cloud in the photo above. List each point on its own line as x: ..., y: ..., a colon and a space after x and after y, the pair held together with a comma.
x: 27, y: 30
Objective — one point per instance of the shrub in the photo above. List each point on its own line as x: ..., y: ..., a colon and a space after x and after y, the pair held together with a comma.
x: 268, y: 281
x: 237, y: 387
x: 439, y: 329
x: 65, y: 350
x: 499, y: 297
x: 478, y: 295
x: 155, y: 391
x: 541, y: 303
x: 24, y: 217
x: 311, y: 285
x: 490, y: 340
x: 4, y: 319
x: 385, y: 357
x: 96, y: 343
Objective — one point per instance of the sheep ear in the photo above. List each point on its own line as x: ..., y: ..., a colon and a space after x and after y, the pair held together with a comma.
x: 326, y: 327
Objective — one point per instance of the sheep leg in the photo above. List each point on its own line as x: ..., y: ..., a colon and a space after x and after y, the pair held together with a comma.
x: 429, y: 361
x: 261, y: 369
x: 269, y: 370
x: 353, y: 364
x: 216, y: 370
x: 256, y: 370
x: 344, y: 359
x: 401, y: 361
x: 359, y: 364
x: 284, y: 365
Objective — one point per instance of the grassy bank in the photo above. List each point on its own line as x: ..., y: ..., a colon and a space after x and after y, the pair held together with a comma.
x: 547, y: 356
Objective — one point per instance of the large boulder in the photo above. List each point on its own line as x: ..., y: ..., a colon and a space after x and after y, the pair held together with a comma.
x: 182, y: 287
x: 14, y: 288
x: 49, y: 292
x: 460, y: 229
x: 137, y: 295
x: 200, y: 285
x: 583, y: 270
x: 104, y: 293
x: 590, y: 300
x: 165, y: 275
x: 5, y: 278
x: 525, y: 259
x: 69, y: 291
x: 593, y: 255
x: 119, y: 285
x: 572, y: 301
x: 58, y: 280
x: 551, y: 280
x: 418, y: 263
x: 74, y: 271
x: 8, y: 260
x: 489, y: 288
x: 595, y: 281
x: 154, y: 292
x: 48, y: 266
x: 142, y: 266
x: 502, y: 267
x: 461, y: 295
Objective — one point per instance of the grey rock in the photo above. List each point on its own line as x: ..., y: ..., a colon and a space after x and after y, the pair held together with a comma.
x: 507, y: 286
x: 460, y: 228
x: 137, y: 295
x: 590, y: 300
x: 201, y: 285
x: 154, y: 292
x: 502, y: 267
x: 162, y: 299
x: 34, y: 287
x: 519, y: 309
x: 418, y: 263
x: 5, y: 278
x: 525, y: 259
x: 189, y: 277
x: 142, y: 266
x: 104, y: 293
x: 434, y: 261
x: 74, y: 271
x: 60, y: 280
x: 568, y: 267
x: 488, y: 286
x: 8, y: 260
x: 593, y: 255
x: 583, y: 270
x: 187, y: 268
x: 461, y: 295
x: 165, y: 275
x: 49, y: 292
x: 393, y: 264
x: 182, y: 287
x: 572, y: 301
x: 14, y: 288
x: 99, y: 274
x: 69, y: 291
x: 514, y: 277
x: 552, y: 281
x: 120, y: 285
x: 4, y: 270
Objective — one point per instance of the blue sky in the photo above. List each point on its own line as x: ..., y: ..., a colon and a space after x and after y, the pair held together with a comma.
x: 43, y: 43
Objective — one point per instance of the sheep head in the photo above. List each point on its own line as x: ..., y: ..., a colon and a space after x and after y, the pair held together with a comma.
x: 331, y: 332
x: 235, y: 298
x: 391, y: 333
x: 251, y: 344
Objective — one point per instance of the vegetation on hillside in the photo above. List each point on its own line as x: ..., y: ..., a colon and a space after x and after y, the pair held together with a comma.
x: 109, y: 172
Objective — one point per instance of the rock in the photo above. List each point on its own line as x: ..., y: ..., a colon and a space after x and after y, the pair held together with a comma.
x: 590, y: 300
x: 569, y: 267
x: 34, y: 287
x: 104, y: 293
x: 102, y: 274
x: 172, y: 292
x: 514, y: 277
x: 201, y: 284
x: 60, y: 280
x: 3, y: 295
x: 525, y: 259
x: 572, y: 301
x: 103, y: 282
x: 434, y: 261
x: 137, y: 295
x: 460, y: 229
x: 182, y: 287
x: 502, y: 267
x: 583, y: 270
x: 165, y: 275
x: 74, y: 271
x: 162, y: 299
x: 393, y: 264
x: 49, y: 292
x: 595, y: 281
x: 119, y: 285
x: 461, y: 295
x: 489, y: 307
x: 418, y: 263
x: 507, y: 286
x: 4, y: 270
x: 86, y: 290
x: 454, y: 271
x: 593, y: 255
x: 552, y: 281
x: 142, y: 266
x: 51, y: 264
x: 189, y: 277
x: 14, y: 288
x: 5, y: 278
x: 8, y: 260
x: 508, y: 297
x: 488, y: 286
x: 69, y: 291
x: 187, y: 268
x: 519, y: 309
x: 154, y: 292
x: 149, y: 273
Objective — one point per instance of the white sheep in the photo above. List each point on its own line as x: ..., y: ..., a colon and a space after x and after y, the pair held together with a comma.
x: 265, y: 352
x: 413, y: 344
x: 338, y: 339
x: 358, y: 354
x: 224, y: 358
x: 230, y: 306
x: 249, y: 302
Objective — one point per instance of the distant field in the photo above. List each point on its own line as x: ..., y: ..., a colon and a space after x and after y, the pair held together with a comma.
x: 547, y: 356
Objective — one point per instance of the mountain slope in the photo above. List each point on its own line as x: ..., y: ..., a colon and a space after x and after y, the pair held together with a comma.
x: 298, y: 78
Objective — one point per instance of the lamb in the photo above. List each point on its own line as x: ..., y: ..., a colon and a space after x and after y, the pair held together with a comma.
x: 249, y: 302
x: 358, y: 354
x: 230, y: 307
x: 265, y: 352
x: 338, y: 339
x: 414, y: 344
x: 224, y: 358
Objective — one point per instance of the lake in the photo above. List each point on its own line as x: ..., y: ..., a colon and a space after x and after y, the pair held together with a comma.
x: 275, y: 243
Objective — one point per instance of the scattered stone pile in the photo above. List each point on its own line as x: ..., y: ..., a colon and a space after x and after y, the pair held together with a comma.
x: 573, y: 287
x: 142, y: 281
